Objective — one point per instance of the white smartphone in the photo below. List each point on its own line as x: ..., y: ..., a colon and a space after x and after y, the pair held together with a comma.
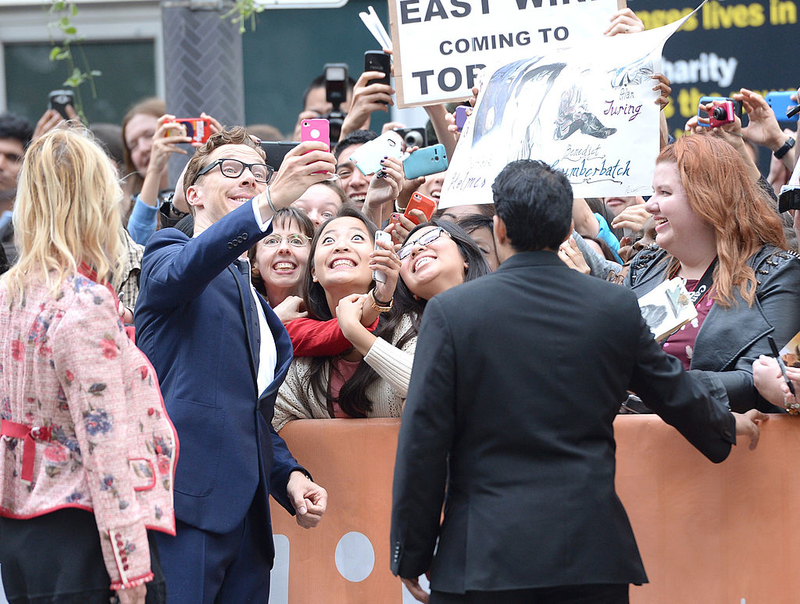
x: 377, y: 275
x: 367, y: 158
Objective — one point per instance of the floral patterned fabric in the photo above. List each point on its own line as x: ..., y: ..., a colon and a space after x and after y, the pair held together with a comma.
x: 91, y: 401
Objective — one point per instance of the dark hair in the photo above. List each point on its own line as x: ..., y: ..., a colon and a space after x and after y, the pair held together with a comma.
x: 352, y: 397
x: 535, y: 203
x: 16, y: 127
x: 231, y: 136
x: 359, y: 137
x: 319, y: 82
x: 473, y: 222
x: 406, y: 303
x: 608, y: 254
x: 483, y: 209
x: 283, y: 218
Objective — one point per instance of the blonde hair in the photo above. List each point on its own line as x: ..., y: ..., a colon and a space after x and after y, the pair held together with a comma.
x: 66, y: 212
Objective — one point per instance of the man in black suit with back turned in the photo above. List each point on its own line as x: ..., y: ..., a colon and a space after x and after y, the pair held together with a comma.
x: 516, y: 381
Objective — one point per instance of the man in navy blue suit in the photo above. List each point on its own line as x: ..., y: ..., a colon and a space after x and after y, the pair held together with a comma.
x: 221, y: 354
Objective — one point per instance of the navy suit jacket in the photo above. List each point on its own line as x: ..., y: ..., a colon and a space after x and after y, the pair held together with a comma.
x: 196, y: 321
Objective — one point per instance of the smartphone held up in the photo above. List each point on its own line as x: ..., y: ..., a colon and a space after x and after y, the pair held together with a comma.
x: 197, y: 128
x: 381, y: 236
x: 367, y: 158
x: 422, y: 203
x: 58, y: 101
x: 786, y: 110
x: 377, y: 60
x: 318, y: 129
x: 425, y: 161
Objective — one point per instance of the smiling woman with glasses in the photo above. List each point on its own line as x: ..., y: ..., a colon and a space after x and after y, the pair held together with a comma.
x: 426, y: 238
x: 279, y: 262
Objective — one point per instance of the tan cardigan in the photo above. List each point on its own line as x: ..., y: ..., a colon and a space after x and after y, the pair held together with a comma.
x: 296, y: 399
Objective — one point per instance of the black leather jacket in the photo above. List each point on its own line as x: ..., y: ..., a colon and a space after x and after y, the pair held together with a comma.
x: 730, y: 339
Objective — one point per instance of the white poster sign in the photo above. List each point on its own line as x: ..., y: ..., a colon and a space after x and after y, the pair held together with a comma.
x: 441, y: 45
x: 588, y: 110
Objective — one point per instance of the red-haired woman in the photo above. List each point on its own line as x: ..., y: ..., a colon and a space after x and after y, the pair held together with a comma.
x: 716, y: 230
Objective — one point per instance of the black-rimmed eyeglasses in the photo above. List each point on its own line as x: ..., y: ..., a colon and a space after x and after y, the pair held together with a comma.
x: 233, y: 168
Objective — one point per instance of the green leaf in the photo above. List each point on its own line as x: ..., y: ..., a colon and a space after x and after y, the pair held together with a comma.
x: 76, y: 79
x: 63, y: 55
x: 63, y: 22
x: 73, y: 9
x: 54, y: 52
x: 71, y: 30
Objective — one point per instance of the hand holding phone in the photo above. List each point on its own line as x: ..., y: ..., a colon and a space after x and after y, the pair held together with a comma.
x: 197, y: 128
x: 318, y: 129
x: 59, y: 99
x: 785, y: 108
x: 381, y: 236
x: 367, y: 158
x: 422, y: 203
x: 377, y: 60
x: 461, y: 117
x: 425, y: 161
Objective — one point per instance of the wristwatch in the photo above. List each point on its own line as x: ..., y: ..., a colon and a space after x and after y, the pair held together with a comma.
x: 785, y: 148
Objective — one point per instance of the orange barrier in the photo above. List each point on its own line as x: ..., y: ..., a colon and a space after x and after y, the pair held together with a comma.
x: 727, y: 533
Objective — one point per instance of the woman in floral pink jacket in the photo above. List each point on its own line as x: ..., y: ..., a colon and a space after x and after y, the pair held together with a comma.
x: 87, y: 452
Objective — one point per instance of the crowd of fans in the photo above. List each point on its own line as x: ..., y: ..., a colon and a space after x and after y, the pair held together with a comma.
x: 712, y: 220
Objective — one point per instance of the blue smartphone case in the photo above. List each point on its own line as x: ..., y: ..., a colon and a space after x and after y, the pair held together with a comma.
x: 780, y: 102
x: 425, y: 161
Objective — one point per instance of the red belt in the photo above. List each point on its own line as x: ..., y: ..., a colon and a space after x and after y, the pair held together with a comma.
x: 29, y: 434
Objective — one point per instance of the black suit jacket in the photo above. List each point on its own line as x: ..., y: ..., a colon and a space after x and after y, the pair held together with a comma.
x: 516, y: 382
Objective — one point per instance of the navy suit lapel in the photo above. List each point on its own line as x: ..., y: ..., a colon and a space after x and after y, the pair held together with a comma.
x: 283, y: 347
x: 248, y: 314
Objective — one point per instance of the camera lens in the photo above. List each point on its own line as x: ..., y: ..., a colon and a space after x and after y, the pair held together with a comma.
x: 413, y: 139
x: 720, y: 113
